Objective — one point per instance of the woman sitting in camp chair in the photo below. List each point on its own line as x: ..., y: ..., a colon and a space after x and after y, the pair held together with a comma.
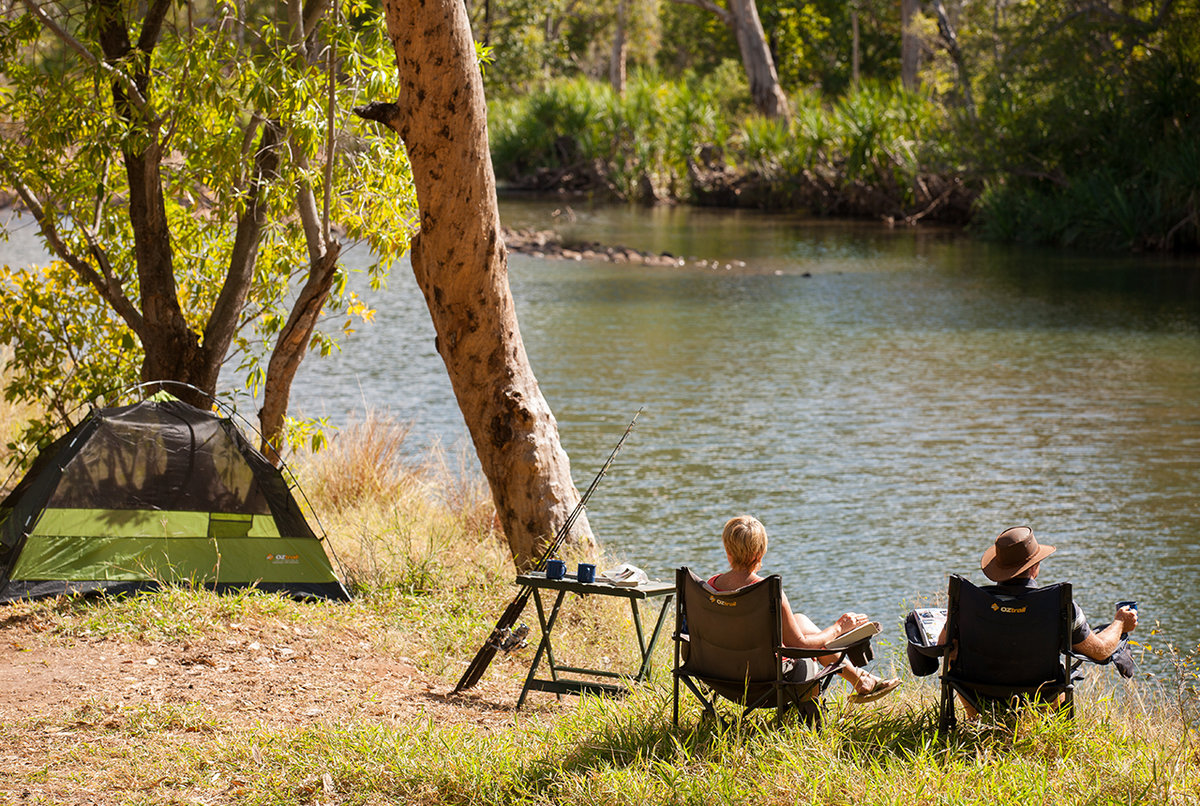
x: 745, y: 541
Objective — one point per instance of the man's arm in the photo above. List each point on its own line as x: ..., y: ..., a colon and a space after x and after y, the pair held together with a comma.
x: 1099, y: 646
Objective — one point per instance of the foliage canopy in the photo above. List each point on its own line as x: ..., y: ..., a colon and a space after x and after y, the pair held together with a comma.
x: 191, y: 166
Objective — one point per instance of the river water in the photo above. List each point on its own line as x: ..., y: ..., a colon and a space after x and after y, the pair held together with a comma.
x: 885, y: 401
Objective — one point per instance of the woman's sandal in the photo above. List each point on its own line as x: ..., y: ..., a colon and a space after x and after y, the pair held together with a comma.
x: 878, y: 688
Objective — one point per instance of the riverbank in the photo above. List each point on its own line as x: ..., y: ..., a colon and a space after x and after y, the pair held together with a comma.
x: 187, y: 697
x: 875, y: 152
x: 871, y: 156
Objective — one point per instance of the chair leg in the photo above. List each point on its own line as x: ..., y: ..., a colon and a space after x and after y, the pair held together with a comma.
x: 675, y: 678
x: 709, y: 708
x: 946, y: 719
x: 810, y: 713
x: 675, y: 717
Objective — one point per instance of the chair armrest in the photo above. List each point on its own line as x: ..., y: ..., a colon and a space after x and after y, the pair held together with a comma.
x: 859, y: 652
x: 797, y: 652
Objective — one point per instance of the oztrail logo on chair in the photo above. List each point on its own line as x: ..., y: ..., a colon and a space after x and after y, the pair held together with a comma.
x: 996, y: 607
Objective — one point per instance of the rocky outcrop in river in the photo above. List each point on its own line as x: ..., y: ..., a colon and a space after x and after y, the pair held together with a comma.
x: 548, y: 244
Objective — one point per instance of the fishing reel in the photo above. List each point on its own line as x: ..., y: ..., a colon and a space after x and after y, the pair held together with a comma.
x: 516, y: 639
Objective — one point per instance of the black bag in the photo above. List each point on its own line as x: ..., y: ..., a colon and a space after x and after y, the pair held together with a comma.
x: 1121, y: 657
x: 922, y: 627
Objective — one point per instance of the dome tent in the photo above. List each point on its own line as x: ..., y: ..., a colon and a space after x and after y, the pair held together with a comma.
x: 157, y: 492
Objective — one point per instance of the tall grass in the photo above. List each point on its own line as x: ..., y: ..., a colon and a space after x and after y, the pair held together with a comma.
x: 1157, y: 208
x: 580, y: 130
x: 627, y: 752
x: 871, y: 152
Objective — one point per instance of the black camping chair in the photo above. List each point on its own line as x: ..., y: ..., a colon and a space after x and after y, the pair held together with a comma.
x: 1008, y: 648
x: 730, y: 646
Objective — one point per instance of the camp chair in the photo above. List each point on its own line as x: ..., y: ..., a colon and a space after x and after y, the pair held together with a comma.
x: 731, y: 646
x: 1007, y: 648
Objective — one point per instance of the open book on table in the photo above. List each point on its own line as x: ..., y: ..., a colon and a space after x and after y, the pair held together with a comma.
x: 625, y: 575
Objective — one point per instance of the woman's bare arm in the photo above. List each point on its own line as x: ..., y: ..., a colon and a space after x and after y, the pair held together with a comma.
x: 800, y: 632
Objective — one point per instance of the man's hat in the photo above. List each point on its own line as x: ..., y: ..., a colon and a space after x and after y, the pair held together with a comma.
x: 1016, y: 551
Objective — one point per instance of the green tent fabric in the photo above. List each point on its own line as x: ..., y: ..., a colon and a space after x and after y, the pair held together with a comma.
x: 157, y: 492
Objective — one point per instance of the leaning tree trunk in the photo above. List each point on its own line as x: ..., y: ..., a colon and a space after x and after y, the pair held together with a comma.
x: 756, y: 58
x: 461, y: 265
x: 742, y: 18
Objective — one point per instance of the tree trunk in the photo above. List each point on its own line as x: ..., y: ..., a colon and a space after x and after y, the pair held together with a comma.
x: 461, y: 266
x: 742, y: 18
x: 854, y: 52
x: 616, y: 67
x: 756, y: 58
x: 172, y: 348
x: 910, y: 45
x: 950, y: 41
x: 290, y: 348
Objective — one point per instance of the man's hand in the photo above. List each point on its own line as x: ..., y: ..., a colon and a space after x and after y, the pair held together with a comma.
x: 1128, y: 618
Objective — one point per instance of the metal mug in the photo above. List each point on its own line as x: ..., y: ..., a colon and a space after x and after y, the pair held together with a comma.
x: 586, y: 572
x: 555, y: 569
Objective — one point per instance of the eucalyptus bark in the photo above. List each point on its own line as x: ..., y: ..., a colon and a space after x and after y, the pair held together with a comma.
x: 950, y: 40
x: 768, y: 95
x: 461, y: 266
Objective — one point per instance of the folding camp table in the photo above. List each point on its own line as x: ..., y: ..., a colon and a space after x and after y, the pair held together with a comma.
x: 559, y: 685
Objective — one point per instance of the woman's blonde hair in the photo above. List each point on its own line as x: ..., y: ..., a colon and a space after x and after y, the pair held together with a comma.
x: 745, y: 541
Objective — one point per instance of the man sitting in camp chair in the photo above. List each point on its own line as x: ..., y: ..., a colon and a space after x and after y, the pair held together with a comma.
x: 1012, y: 562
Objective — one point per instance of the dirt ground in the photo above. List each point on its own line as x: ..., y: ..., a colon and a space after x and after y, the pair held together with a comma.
x: 69, y: 707
x: 275, y: 677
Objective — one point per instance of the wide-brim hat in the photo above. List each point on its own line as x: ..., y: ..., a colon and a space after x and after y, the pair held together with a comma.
x: 1015, y: 551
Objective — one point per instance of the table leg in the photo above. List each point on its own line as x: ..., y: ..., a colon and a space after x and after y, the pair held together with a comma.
x: 648, y: 647
x: 544, y: 647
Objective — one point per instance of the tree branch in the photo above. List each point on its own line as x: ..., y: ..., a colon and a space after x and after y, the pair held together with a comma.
x: 127, y: 83
x: 222, y: 322
x: 152, y: 25
x: 388, y: 114
x: 723, y: 14
x: 107, y: 286
x: 312, y: 13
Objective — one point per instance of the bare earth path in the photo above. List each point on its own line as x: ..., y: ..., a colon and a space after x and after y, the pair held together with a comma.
x: 248, y: 677
x: 56, y: 692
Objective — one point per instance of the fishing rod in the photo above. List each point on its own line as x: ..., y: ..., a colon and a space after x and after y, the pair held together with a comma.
x: 503, y: 636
